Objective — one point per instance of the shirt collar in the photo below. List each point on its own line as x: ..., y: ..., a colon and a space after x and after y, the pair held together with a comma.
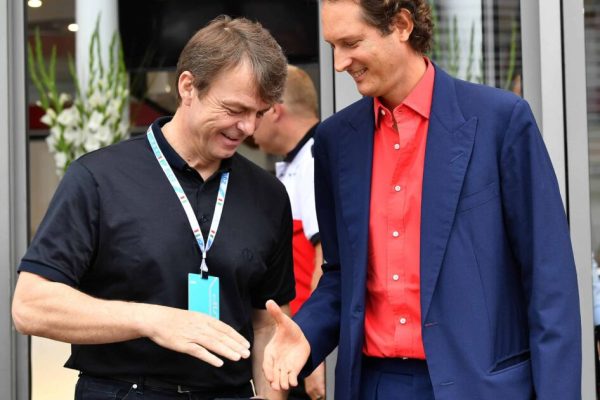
x: 419, y: 98
x: 292, y: 154
x: 171, y: 155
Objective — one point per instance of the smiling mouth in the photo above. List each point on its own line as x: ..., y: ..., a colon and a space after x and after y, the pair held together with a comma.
x: 358, y: 73
x: 231, y: 138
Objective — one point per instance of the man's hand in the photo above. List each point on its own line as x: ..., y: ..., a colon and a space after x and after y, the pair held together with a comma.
x: 286, y: 353
x: 314, y: 384
x: 196, y: 334
x: 60, y: 312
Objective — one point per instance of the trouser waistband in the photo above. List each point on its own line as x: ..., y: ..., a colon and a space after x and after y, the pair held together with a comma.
x: 396, y: 365
x: 154, y: 383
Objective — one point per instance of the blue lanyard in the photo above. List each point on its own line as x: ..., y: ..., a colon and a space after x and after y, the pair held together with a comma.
x: 189, y: 212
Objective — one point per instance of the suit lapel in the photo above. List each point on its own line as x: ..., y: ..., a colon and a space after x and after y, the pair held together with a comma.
x: 449, y: 145
x: 355, y: 163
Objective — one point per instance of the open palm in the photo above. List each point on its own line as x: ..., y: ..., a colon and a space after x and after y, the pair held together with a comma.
x: 287, y: 351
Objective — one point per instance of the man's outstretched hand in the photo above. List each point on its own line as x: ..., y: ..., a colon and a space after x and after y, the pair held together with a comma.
x: 286, y: 353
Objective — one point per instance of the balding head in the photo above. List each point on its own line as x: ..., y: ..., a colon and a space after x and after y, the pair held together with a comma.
x: 285, y: 124
x: 300, y: 95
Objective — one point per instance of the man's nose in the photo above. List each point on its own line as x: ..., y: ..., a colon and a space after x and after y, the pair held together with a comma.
x: 248, y: 124
x: 341, y: 61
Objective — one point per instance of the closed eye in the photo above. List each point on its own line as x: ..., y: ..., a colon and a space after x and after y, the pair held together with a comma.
x: 232, y: 111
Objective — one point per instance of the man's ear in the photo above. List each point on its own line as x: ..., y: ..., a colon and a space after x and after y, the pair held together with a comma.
x: 185, y: 86
x: 278, y: 111
x: 404, y: 23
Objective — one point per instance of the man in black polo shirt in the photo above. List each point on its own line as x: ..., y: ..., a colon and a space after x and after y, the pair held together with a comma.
x: 142, y: 234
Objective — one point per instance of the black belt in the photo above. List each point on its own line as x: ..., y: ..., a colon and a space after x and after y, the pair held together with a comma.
x: 396, y: 365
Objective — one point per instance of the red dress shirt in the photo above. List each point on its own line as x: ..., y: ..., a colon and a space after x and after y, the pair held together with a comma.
x: 393, y: 307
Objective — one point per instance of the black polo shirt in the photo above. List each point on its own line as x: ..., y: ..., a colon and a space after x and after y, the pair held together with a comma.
x: 116, y: 230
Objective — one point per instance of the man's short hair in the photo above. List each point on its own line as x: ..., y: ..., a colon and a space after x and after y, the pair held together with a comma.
x: 300, y: 95
x: 381, y: 15
x: 224, y: 44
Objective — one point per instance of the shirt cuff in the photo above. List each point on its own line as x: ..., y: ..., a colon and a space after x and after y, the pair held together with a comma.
x: 47, y: 272
x: 315, y: 239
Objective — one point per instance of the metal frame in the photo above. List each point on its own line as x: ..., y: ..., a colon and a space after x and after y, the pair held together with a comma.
x: 14, y: 351
x: 554, y: 84
x: 543, y: 75
x: 578, y: 177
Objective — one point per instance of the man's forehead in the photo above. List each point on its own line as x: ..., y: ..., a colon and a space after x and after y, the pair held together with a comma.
x: 333, y: 12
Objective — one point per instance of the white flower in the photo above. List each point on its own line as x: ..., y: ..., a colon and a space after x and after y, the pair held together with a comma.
x: 104, y: 135
x: 97, y: 99
x: 49, y: 117
x: 51, y: 141
x: 68, y: 117
x: 64, y: 98
x: 78, y: 152
x: 73, y: 136
x: 90, y: 122
x: 60, y: 159
x: 102, y: 85
x: 95, y: 121
x: 123, y: 129
x: 112, y: 110
x: 91, y: 143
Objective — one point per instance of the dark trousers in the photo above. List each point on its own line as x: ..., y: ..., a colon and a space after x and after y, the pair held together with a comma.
x: 395, y: 379
x: 93, y: 388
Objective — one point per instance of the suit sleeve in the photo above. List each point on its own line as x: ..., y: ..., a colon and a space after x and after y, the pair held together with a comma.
x: 539, y: 236
x: 319, y: 317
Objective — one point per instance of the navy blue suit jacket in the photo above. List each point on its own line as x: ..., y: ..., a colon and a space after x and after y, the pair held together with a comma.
x: 499, y: 299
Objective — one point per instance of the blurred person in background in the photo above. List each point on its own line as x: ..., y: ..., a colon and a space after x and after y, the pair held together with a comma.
x: 287, y: 129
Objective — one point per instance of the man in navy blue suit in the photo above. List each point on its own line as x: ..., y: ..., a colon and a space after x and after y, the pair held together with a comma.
x: 448, y: 271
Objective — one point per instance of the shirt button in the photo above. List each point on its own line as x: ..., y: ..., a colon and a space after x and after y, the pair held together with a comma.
x: 382, y: 112
x: 395, y: 234
x: 397, y: 146
x: 403, y: 320
x: 397, y: 188
x: 395, y: 277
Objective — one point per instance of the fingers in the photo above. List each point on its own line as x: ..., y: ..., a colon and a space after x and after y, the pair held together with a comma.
x: 198, y: 335
x: 293, y: 378
x: 283, y: 379
x: 275, y: 312
x: 231, y: 334
x: 287, y: 378
x: 268, y: 365
x: 315, y: 384
x: 231, y: 339
x: 275, y: 383
x: 219, y: 338
x: 221, y: 348
x: 204, y: 355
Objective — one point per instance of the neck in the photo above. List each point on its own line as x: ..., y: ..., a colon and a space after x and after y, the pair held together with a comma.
x: 189, y: 150
x: 296, y: 130
x: 414, y: 69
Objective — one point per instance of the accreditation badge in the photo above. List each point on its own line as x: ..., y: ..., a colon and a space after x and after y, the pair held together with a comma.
x: 203, y: 294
